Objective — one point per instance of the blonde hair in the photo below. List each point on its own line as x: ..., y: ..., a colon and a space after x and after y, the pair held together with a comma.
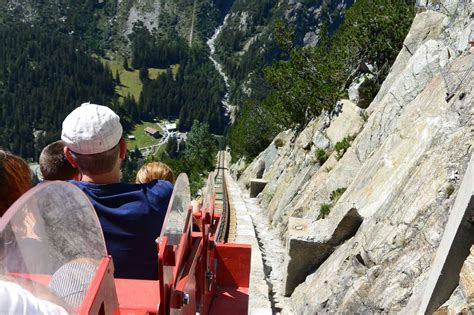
x: 153, y: 171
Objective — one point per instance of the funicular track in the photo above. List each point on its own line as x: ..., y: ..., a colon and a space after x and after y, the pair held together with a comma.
x: 197, y: 273
x: 227, y: 223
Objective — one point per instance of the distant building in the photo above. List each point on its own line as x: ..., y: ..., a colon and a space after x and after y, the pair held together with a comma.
x: 170, y: 127
x: 152, y: 132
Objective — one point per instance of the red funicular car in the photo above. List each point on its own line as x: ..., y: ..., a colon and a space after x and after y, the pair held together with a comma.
x: 51, y: 241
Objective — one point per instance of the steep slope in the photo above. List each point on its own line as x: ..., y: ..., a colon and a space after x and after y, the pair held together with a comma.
x: 247, y: 42
x: 193, y: 21
x: 105, y: 25
x: 400, y: 174
x: 85, y: 33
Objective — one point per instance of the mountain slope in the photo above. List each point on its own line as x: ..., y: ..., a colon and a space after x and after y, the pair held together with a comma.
x: 400, y: 174
x: 105, y: 25
x: 247, y: 42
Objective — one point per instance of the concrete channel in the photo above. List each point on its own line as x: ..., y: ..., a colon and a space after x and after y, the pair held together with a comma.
x: 249, y: 225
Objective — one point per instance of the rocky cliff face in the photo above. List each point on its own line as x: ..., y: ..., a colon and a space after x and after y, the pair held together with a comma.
x: 401, y: 173
x: 191, y: 20
x: 246, y: 42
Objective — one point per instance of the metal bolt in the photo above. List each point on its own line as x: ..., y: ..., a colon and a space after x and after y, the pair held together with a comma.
x: 185, y: 298
x: 209, y: 275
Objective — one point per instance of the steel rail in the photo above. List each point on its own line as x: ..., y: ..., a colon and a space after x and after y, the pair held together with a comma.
x: 222, y: 199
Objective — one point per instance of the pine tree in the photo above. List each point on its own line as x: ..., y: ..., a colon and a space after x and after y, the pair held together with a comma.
x: 117, y: 78
x: 125, y: 64
x: 144, y: 74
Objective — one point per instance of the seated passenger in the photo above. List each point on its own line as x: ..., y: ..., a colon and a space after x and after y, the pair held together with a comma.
x: 54, y: 165
x: 15, y: 300
x: 153, y: 171
x: 157, y: 170
x: 15, y: 179
x: 131, y: 215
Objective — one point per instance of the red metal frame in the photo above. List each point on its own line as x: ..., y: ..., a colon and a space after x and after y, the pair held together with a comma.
x: 199, y: 271
x: 101, y: 297
x: 138, y: 296
x: 198, y: 275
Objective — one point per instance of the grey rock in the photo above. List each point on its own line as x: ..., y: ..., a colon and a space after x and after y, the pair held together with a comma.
x: 454, y: 247
x: 348, y: 122
x: 394, y: 172
x: 426, y: 26
x: 306, y: 252
x: 256, y: 186
x: 237, y: 168
x: 260, y: 169
x: 304, y: 140
x: 397, y: 187
x: 310, y: 39
x: 353, y: 91
x: 320, y: 141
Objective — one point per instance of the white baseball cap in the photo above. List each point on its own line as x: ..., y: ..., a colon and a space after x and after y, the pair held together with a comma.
x: 91, y: 129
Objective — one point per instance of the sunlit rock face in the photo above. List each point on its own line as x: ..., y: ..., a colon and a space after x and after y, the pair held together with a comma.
x: 399, y: 173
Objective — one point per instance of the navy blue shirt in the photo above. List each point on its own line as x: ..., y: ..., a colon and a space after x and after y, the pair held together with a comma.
x: 131, y: 216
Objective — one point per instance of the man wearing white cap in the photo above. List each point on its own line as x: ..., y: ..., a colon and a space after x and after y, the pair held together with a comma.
x: 131, y: 215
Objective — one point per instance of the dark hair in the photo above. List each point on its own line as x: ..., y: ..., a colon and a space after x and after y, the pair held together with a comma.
x: 53, y: 163
x: 99, y: 163
x: 15, y: 179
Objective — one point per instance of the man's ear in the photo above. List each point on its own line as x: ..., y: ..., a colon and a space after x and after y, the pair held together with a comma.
x: 123, y: 149
x: 69, y: 157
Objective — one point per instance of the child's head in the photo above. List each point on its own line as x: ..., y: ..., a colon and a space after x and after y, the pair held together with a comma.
x: 153, y: 171
x: 15, y: 179
x: 54, y: 165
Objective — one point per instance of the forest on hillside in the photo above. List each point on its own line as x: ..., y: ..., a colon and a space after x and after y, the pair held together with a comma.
x: 50, y: 65
x: 42, y: 78
x: 312, y: 79
x: 195, y: 92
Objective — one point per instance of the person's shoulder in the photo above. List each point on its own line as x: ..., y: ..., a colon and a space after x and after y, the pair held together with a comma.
x: 85, y: 186
x: 77, y: 183
x: 161, y: 186
x: 94, y: 185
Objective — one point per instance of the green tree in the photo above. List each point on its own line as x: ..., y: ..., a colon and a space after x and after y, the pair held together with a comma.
x: 125, y: 64
x: 284, y: 35
x: 201, y: 147
x: 130, y: 165
x: 144, y: 76
x: 117, y: 78
x: 313, y: 79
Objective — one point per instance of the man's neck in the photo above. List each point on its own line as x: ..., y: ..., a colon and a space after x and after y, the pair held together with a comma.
x: 108, y: 178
